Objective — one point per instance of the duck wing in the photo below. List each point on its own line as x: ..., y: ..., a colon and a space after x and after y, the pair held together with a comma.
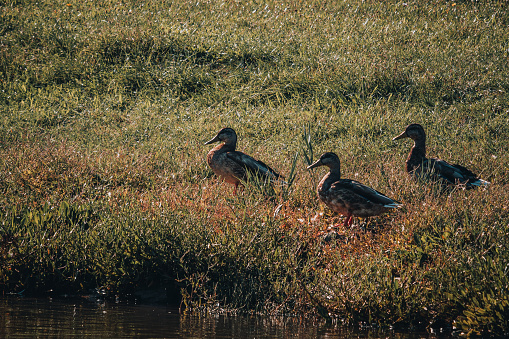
x: 454, y: 174
x: 356, y: 189
x: 254, y: 166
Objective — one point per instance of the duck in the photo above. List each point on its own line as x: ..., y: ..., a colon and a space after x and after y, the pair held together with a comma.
x: 438, y: 170
x: 233, y: 166
x: 349, y: 197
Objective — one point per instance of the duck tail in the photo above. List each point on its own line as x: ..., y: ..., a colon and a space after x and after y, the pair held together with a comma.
x: 480, y: 183
x: 394, y: 204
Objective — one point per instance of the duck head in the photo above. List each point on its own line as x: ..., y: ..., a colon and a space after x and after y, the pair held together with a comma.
x: 226, y: 135
x: 328, y: 159
x: 412, y: 131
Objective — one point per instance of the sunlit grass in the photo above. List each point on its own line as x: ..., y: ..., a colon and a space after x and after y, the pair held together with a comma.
x: 105, y: 109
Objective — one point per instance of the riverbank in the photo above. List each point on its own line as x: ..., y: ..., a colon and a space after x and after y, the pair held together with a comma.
x: 104, y: 184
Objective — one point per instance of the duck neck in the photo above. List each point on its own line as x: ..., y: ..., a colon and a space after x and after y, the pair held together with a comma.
x: 417, y: 155
x: 330, y: 178
x: 229, y: 145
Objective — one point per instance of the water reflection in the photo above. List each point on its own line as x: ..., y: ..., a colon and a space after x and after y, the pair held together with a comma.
x: 27, y: 317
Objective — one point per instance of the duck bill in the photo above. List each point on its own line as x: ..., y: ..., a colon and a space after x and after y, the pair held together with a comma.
x: 213, y: 140
x: 401, y: 136
x: 315, y: 164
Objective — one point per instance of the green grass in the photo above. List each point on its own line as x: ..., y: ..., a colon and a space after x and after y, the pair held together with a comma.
x: 105, y: 109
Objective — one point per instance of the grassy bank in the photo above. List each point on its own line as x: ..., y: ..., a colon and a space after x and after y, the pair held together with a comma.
x: 105, y: 110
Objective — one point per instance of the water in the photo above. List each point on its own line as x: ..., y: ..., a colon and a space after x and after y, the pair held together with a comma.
x: 49, y: 318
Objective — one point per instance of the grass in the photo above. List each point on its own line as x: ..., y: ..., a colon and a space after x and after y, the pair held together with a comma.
x: 105, y: 109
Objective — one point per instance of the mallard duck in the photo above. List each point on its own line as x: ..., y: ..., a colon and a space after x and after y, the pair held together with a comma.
x: 436, y: 169
x: 233, y: 166
x: 349, y: 197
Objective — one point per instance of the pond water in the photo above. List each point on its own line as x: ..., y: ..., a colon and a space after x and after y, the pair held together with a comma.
x: 48, y: 318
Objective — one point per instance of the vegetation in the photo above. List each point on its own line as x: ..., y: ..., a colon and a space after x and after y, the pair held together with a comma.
x: 105, y: 107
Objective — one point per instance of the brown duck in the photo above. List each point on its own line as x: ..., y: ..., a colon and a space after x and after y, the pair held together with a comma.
x: 417, y: 165
x: 349, y: 197
x: 233, y: 166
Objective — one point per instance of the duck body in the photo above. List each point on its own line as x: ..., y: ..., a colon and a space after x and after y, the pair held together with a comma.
x: 349, y: 197
x: 234, y: 166
x: 418, y: 165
